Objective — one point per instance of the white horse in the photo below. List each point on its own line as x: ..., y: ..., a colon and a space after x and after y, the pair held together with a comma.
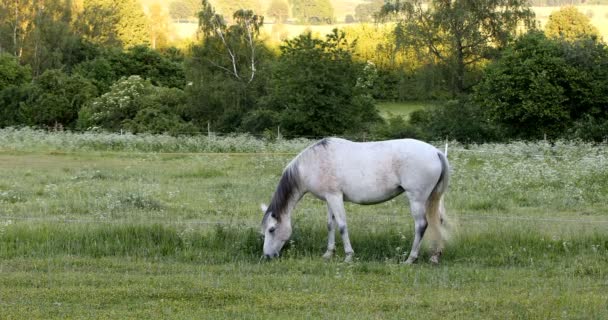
x: 337, y: 170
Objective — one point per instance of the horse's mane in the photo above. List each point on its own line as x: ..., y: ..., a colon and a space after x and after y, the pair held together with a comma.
x: 287, y: 187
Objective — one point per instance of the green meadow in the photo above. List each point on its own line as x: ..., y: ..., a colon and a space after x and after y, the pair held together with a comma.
x: 403, y: 109
x: 103, y: 226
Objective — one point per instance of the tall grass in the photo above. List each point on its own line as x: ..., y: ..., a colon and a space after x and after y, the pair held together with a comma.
x: 26, y: 139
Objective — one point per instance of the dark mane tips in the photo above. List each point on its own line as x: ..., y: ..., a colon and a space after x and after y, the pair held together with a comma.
x: 322, y: 143
x: 286, y: 189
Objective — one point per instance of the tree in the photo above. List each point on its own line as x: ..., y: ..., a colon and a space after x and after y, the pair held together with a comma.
x: 458, y: 33
x: 11, y: 72
x: 365, y: 12
x: 570, y: 24
x: 114, y: 22
x: 227, y: 8
x: 317, y: 89
x: 279, y: 10
x: 226, y: 70
x: 312, y: 11
x: 16, y: 24
x: 135, y: 105
x: 543, y: 86
x: 55, y: 99
x: 159, y: 26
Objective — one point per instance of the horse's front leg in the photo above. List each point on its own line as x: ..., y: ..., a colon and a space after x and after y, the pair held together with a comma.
x: 331, y: 235
x: 336, y: 206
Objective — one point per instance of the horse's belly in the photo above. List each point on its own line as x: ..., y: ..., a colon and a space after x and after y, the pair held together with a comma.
x: 372, y: 196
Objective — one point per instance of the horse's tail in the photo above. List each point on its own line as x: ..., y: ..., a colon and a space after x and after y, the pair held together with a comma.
x: 435, y: 209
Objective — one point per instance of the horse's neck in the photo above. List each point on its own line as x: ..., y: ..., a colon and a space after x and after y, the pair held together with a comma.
x: 292, y: 202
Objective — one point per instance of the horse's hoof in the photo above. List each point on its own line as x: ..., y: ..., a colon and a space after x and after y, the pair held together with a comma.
x: 328, y: 255
x: 410, y: 261
x: 434, y: 259
x: 348, y: 258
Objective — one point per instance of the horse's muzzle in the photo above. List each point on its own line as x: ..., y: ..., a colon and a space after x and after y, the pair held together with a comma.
x: 270, y: 256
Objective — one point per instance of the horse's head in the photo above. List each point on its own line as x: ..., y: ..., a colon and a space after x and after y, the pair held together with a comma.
x: 276, y: 232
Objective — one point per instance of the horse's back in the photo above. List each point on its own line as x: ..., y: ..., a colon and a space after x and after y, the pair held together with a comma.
x: 370, y: 172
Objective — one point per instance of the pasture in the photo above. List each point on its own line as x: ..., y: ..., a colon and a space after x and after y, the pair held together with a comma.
x: 403, y: 109
x: 119, y: 226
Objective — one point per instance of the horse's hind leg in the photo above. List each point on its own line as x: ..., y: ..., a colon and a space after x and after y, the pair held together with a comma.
x: 336, y: 207
x: 418, y: 209
x: 331, y: 234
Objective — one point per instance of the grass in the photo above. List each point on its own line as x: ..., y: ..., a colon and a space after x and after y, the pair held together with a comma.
x: 101, y: 226
x: 403, y: 109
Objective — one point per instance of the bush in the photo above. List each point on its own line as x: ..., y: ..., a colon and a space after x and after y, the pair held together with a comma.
x: 11, y: 72
x: 54, y: 99
x: 135, y: 105
x: 318, y: 89
x: 541, y: 86
x: 456, y: 120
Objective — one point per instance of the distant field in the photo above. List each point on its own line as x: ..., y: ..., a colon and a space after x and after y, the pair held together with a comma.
x: 107, y: 226
x: 597, y: 13
x: 403, y: 109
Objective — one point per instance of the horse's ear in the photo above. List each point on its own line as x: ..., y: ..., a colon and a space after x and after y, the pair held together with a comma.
x: 263, y: 207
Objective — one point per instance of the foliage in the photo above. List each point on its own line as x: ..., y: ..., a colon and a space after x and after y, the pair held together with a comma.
x: 11, y: 99
x: 318, y: 89
x: 570, y: 24
x: 54, y: 99
x: 114, y: 22
x: 542, y: 86
x: 11, y: 72
x: 312, y: 11
x: 227, y: 70
x: 458, y: 34
x: 462, y: 121
x: 161, y: 69
x: 135, y: 105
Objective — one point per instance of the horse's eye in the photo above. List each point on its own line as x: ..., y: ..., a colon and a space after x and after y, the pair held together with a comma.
x: 271, y: 230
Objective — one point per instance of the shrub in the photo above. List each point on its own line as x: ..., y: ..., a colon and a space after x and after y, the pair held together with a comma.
x: 55, y: 98
x: 541, y: 86
x: 463, y: 121
x: 11, y: 72
x: 318, y: 89
x: 135, y: 105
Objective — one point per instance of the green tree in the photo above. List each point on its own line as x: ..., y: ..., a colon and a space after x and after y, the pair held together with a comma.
x: 114, y: 22
x: 226, y: 70
x: 570, y: 24
x: 458, y: 34
x: 312, y: 11
x: 135, y: 105
x: 55, y: 99
x: 227, y: 8
x: 542, y: 86
x: 11, y: 72
x: 112, y: 64
x: 16, y: 20
x: 317, y: 89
